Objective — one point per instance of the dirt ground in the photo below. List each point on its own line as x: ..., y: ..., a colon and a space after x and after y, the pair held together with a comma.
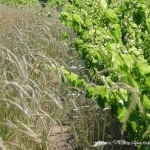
x: 59, y: 138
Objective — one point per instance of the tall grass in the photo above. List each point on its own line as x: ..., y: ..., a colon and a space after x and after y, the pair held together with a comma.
x: 30, y: 49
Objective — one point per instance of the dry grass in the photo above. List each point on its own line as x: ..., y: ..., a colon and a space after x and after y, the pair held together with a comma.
x: 30, y: 77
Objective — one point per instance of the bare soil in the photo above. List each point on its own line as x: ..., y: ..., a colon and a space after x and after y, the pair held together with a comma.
x: 59, y: 138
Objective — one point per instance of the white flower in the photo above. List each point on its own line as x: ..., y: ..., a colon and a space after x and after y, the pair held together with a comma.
x: 106, y: 108
x: 99, y: 143
x: 121, y: 102
x: 73, y: 67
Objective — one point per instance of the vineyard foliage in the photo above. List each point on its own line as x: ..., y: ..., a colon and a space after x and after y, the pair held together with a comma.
x: 113, y: 40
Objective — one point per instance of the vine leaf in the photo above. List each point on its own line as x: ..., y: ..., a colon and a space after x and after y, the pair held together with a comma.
x: 143, y: 66
x: 122, y: 112
x: 77, y: 18
x: 104, y: 4
x: 146, y: 102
